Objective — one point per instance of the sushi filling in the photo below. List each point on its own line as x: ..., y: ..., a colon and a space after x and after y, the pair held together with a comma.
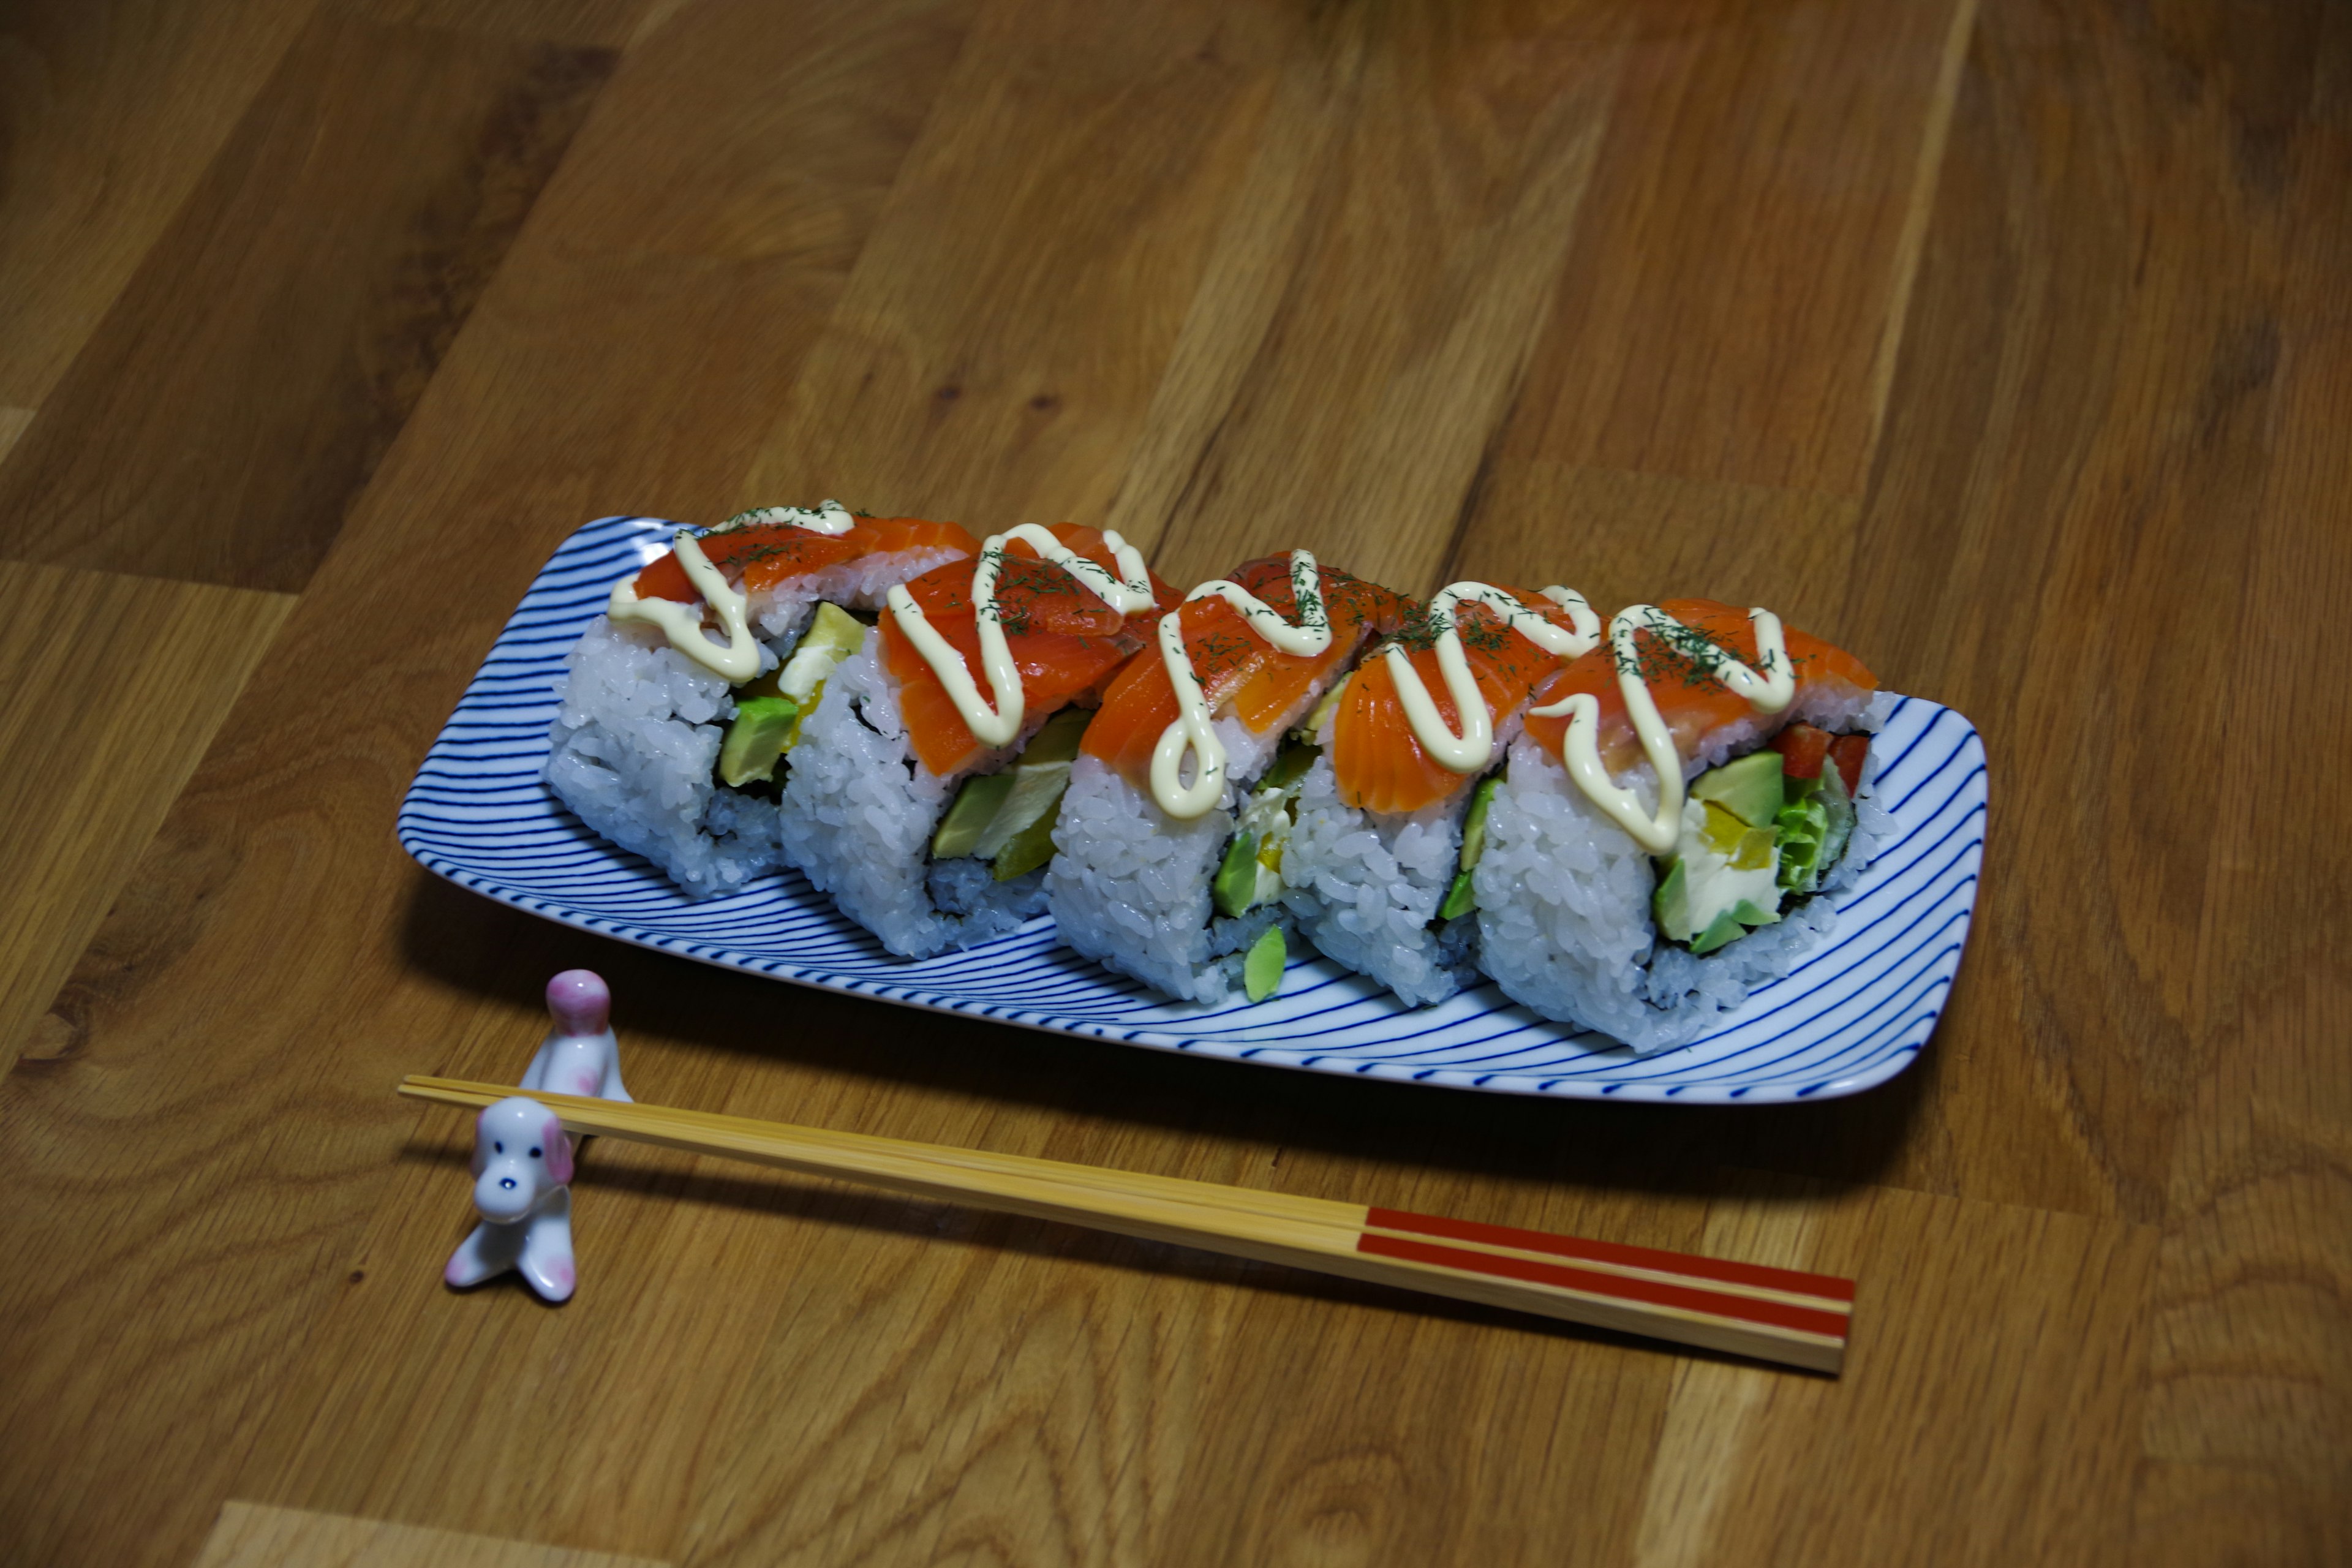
x: 1250, y: 872
x: 1759, y: 834
x: 1006, y: 820
x: 1245, y: 894
x: 1461, y: 898
x: 766, y: 723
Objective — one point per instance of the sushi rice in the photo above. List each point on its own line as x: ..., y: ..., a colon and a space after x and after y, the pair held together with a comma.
x: 1564, y: 895
x: 1365, y: 888
x: 634, y: 747
x: 1563, y: 913
x: 1130, y: 887
x: 858, y: 812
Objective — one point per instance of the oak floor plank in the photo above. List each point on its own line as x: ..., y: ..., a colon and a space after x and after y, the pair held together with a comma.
x: 2056, y: 543
x: 1703, y: 405
x: 1715, y: 1404
x: 2249, y: 1425
x: 220, y: 421
x: 588, y: 24
x: 12, y: 425
x: 114, y: 687
x: 1990, y: 1399
x: 995, y: 353
x: 1727, y: 316
x: 275, y: 889
x: 110, y: 111
x: 251, y: 1536
x: 1376, y: 296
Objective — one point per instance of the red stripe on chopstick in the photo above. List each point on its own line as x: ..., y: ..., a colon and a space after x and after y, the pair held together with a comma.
x: 1751, y: 1274
x: 1685, y: 1297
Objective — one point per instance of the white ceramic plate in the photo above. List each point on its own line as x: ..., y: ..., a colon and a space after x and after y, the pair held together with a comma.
x: 1853, y: 1015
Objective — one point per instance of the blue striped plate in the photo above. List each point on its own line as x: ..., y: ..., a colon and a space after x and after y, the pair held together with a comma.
x: 1854, y: 1014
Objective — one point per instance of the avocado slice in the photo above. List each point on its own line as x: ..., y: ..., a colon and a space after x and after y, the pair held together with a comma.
x: 1057, y: 740
x: 1313, y: 725
x: 1031, y: 846
x: 1751, y: 788
x: 1039, y: 777
x: 1719, y: 931
x: 1474, y: 823
x: 1671, y: 903
x: 1262, y: 968
x: 1290, y: 764
x: 1235, y: 887
x: 1009, y: 816
x: 756, y: 737
x: 975, y: 808
x: 834, y: 634
x: 1460, y: 895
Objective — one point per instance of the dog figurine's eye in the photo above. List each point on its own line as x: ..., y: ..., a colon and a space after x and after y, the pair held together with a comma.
x: 534, y: 1153
x: 498, y: 1148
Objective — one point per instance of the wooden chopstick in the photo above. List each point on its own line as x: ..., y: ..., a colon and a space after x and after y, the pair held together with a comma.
x: 1773, y: 1314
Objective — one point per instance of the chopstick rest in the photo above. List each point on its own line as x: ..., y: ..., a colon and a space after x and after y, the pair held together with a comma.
x: 522, y: 1160
x: 1772, y: 1314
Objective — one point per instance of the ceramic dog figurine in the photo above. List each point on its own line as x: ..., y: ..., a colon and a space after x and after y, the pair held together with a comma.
x: 522, y: 1168
x: 580, y: 1055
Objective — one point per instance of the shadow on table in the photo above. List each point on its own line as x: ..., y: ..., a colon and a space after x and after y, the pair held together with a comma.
x: 479, y: 945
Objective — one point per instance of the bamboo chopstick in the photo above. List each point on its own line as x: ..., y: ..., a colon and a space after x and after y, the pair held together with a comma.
x: 1773, y: 1314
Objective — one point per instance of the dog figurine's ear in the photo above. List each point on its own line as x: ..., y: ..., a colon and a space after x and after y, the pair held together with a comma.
x: 559, y: 1152
x: 482, y: 1141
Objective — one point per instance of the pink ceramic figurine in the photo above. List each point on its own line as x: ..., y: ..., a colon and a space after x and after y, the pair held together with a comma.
x: 522, y: 1160
x: 522, y: 1163
x: 579, y: 1054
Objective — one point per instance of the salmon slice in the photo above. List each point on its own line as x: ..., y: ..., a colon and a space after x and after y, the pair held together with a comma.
x: 761, y: 554
x: 1239, y: 671
x: 1675, y: 667
x: 1378, y: 759
x: 1065, y: 640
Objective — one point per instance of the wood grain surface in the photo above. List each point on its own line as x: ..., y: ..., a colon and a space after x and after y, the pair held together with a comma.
x: 2006, y: 341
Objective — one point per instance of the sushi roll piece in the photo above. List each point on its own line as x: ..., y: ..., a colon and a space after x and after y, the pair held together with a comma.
x: 1171, y: 836
x: 1390, y: 816
x: 1645, y: 911
x: 679, y: 705
x: 924, y: 789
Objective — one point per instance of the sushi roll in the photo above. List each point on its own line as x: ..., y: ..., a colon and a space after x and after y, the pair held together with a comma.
x: 1645, y: 911
x: 1389, y: 816
x: 1171, y: 838
x: 924, y: 788
x: 678, y: 706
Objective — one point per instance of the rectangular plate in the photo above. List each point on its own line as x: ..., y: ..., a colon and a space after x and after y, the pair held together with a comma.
x: 1852, y: 1014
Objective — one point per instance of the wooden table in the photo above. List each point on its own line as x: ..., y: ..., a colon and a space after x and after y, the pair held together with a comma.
x: 2008, y: 343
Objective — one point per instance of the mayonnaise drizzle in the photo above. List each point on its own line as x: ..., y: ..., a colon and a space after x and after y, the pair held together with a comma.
x: 1473, y: 748
x: 1194, y: 729
x: 830, y: 518
x: 1127, y: 591
x: 1581, y: 747
x: 739, y: 659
